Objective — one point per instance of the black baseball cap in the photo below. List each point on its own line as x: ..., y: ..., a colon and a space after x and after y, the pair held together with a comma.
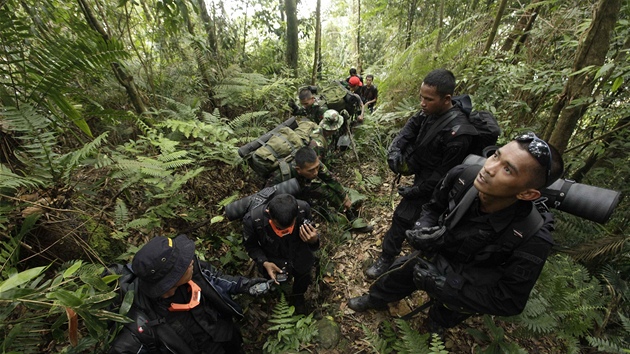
x: 161, y: 263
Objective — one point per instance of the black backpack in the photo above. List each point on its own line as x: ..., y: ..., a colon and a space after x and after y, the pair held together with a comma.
x: 488, y: 130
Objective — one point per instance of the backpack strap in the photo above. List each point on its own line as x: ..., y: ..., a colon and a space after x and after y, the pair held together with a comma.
x: 465, y: 180
x: 435, y: 129
x: 258, y: 218
x: 285, y: 169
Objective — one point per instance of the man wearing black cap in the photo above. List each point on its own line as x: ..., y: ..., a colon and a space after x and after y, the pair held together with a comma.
x: 181, y: 304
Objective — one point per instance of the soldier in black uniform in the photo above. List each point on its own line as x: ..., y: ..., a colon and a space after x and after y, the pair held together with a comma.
x: 427, y: 149
x: 181, y: 304
x: 481, y: 241
x: 280, y: 238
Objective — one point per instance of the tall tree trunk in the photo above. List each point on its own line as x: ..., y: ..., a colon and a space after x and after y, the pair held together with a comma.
x: 439, y: 36
x: 591, y: 52
x: 209, y: 26
x: 528, y: 28
x: 290, y: 7
x: 121, y: 74
x: 245, y: 30
x: 520, y: 28
x: 358, y: 41
x: 495, y: 26
x: 200, y: 56
x: 318, y: 41
x: 411, y: 14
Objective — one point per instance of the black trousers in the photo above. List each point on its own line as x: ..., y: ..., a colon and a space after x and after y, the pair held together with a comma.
x: 397, y: 283
x: 406, y: 214
x: 301, y: 280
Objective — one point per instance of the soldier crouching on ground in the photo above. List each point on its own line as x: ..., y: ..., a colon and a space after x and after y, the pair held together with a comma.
x: 318, y: 187
x: 281, y: 239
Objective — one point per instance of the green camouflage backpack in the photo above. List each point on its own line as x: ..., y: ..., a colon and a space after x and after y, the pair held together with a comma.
x: 278, y: 151
x: 334, y: 93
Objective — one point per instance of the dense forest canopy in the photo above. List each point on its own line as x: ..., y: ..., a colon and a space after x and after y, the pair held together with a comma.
x: 121, y: 120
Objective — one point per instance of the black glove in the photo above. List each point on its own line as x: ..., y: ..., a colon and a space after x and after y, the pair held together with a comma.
x: 395, y: 161
x: 427, y: 277
x: 251, y: 286
x: 426, y: 239
x: 409, y: 192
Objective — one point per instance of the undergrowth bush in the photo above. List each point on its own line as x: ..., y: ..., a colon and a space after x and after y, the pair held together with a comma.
x: 289, y: 332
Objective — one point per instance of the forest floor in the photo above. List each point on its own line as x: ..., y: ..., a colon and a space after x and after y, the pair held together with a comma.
x: 344, y: 259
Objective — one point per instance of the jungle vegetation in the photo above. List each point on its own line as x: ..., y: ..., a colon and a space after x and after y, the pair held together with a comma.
x: 120, y: 120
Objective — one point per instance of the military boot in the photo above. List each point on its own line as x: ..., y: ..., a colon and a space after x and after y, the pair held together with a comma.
x: 379, y: 267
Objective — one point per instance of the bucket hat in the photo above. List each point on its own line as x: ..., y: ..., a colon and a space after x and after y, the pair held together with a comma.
x: 332, y: 120
x: 161, y: 263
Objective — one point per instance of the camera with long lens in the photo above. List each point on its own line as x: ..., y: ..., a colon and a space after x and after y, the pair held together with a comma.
x: 583, y: 200
x: 238, y: 208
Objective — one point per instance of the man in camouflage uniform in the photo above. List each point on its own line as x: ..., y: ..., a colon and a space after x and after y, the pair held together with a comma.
x: 316, y: 182
x: 312, y: 108
x: 318, y: 187
x: 333, y: 135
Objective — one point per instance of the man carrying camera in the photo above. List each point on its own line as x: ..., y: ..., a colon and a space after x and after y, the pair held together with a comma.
x: 279, y: 237
x: 481, y: 240
x: 427, y: 148
x: 180, y: 304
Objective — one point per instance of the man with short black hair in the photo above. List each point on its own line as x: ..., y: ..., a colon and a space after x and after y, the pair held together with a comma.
x: 312, y: 108
x: 369, y: 93
x: 181, y: 304
x: 432, y: 142
x: 318, y: 186
x: 353, y: 73
x: 481, y: 240
x: 281, y: 239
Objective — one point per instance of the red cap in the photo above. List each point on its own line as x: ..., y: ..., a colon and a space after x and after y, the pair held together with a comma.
x: 355, y: 81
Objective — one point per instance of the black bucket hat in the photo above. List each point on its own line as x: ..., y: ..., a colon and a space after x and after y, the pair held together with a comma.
x: 161, y: 263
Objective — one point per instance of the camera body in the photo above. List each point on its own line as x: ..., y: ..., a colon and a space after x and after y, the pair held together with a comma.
x: 588, y: 202
x: 264, y: 287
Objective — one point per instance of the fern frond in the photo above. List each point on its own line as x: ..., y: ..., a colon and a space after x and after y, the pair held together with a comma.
x: 181, y: 180
x: 8, y: 179
x: 177, y: 163
x: 602, y: 247
x: 70, y: 160
x: 121, y: 212
x: 172, y: 156
x: 609, y: 345
x: 292, y: 331
x: 379, y: 345
x: 248, y: 117
x: 412, y: 341
x: 37, y: 141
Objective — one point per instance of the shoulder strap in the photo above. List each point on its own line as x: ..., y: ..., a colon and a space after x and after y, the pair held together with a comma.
x: 464, y: 181
x: 523, y: 229
x: 285, y: 169
x: 433, y: 131
x: 460, y: 209
x: 258, y: 217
